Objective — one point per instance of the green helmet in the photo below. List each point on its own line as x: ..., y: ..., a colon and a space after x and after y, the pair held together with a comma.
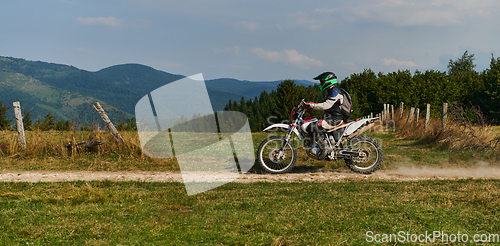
x: 326, y: 79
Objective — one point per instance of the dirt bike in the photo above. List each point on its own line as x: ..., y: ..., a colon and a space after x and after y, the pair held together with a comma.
x: 362, y: 154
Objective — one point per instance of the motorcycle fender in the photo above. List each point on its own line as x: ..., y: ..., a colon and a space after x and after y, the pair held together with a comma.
x: 285, y: 127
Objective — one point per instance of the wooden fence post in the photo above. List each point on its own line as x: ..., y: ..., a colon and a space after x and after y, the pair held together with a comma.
x: 427, y: 116
x: 73, y: 144
x: 410, y: 116
x: 108, y: 123
x: 386, y: 111
x: 19, y: 124
x: 445, y: 114
x: 383, y: 114
x: 401, y: 109
x: 392, y: 112
x: 417, y: 113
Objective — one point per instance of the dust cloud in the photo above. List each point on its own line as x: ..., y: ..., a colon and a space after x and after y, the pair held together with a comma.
x: 480, y: 170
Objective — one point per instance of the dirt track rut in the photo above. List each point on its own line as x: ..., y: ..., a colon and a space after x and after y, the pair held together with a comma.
x: 401, y: 174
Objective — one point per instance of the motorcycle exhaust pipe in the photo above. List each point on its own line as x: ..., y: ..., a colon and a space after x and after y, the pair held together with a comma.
x: 350, y: 153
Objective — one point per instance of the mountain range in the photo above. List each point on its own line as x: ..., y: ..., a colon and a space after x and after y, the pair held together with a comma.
x: 65, y: 91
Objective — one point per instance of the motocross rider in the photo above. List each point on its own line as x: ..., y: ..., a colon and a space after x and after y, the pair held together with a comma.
x: 331, y: 105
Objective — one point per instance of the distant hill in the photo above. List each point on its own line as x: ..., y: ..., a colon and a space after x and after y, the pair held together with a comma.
x: 65, y: 91
x: 54, y: 82
x: 135, y: 77
x: 143, y: 79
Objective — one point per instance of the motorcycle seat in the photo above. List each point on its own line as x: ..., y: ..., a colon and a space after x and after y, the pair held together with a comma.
x: 356, y: 120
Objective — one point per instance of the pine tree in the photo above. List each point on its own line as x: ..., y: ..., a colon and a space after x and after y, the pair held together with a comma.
x: 27, y: 122
x: 243, y: 106
x: 39, y: 124
x: 288, y: 96
x: 464, y: 83
x: 228, y: 106
x: 4, y: 121
x: 491, y: 98
x: 48, y: 122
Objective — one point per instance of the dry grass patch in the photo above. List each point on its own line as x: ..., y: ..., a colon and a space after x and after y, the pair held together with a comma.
x: 461, y: 134
x: 47, y: 150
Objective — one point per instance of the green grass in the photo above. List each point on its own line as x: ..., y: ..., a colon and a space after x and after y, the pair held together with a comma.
x: 407, y: 152
x: 139, y: 213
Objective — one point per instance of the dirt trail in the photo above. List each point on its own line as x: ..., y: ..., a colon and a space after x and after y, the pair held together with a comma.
x: 401, y: 174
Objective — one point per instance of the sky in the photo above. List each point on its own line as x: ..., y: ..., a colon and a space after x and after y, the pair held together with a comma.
x: 252, y: 40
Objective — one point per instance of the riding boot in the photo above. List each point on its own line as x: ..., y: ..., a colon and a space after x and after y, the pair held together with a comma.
x: 325, y: 149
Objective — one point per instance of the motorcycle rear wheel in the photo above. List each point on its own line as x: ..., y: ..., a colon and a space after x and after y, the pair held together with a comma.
x: 268, y: 155
x: 372, y: 157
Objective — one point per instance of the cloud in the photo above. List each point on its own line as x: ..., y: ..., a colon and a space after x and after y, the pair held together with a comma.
x: 113, y: 22
x: 106, y: 21
x: 232, y: 49
x: 300, y: 20
x: 307, y: 22
x: 273, y: 56
x: 325, y: 10
x: 250, y: 26
x: 287, y: 57
x: 394, y: 62
x: 421, y: 12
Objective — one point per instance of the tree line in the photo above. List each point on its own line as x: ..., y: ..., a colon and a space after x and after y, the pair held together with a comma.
x: 369, y: 91
x: 459, y: 84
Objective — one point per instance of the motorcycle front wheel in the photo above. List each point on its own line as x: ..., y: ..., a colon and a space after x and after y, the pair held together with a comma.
x: 370, y: 155
x: 272, y: 158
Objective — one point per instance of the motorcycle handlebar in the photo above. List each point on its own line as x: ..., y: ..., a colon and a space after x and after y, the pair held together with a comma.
x: 302, y: 102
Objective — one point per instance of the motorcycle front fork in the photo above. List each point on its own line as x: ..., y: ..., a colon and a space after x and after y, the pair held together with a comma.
x: 287, y: 139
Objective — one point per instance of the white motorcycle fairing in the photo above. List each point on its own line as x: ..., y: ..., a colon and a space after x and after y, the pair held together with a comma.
x: 308, y: 123
x: 283, y: 127
x: 353, y: 127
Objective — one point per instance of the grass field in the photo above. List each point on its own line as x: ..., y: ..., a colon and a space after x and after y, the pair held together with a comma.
x: 301, y: 213
x: 341, y: 213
